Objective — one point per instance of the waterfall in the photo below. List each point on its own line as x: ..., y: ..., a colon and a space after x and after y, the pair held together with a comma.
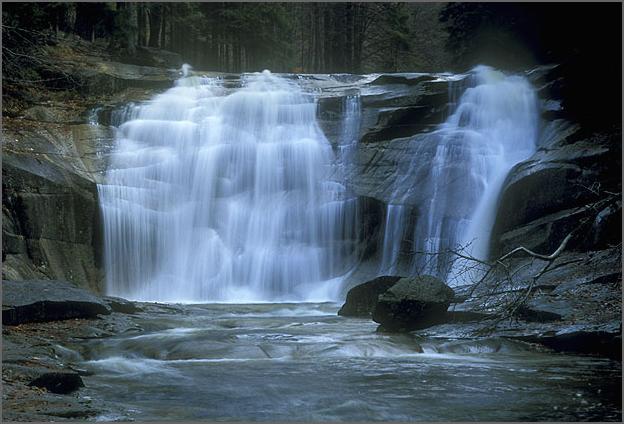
x: 456, y: 173
x: 352, y: 110
x: 215, y: 194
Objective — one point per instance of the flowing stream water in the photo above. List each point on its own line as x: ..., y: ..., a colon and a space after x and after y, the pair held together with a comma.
x: 302, y: 362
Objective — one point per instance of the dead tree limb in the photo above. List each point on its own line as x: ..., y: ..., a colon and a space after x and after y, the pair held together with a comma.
x: 550, y: 257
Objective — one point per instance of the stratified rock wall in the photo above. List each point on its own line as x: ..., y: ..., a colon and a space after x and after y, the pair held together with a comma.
x: 53, y: 154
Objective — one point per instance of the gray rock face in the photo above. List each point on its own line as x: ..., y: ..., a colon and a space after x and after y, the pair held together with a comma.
x: 47, y: 300
x: 575, y: 306
x: 53, y: 156
x: 413, y: 303
x: 546, y: 197
x: 50, y: 222
x: 361, y: 299
x: 604, y: 343
x: 388, y: 124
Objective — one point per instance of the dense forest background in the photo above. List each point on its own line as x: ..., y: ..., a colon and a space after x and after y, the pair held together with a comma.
x: 239, y: 37
x: 331, y: 37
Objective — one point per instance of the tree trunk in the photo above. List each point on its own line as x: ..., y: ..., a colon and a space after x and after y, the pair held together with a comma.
x: 161, y: 23
x: 167, y: 30
x: 70, y: 17
x: 133, y: 27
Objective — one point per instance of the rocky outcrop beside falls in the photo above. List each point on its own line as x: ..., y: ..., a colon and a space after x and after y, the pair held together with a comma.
x: 54, y: 152
x: 50, y: 214
x: 572, y: 181
x: 571, y: 185
x: 394, y: 109
x: 568, y: 181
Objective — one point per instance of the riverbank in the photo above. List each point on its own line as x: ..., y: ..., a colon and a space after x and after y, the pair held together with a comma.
x: 239, y: 362
x: 141, y: 361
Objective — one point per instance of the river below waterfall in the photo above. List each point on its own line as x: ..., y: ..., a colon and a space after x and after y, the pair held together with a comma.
x: 300, y: 361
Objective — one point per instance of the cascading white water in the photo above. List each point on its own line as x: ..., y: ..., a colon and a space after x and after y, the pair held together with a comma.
x: 457, y: 171
x: 217, y: 196
x: 350, y: 130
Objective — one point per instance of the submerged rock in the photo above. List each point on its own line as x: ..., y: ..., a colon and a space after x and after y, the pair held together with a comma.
x: 413, y: 303
x: 361, y: 299
x: 603, y: 343
x: 47, y: 300
x: 59, y: 382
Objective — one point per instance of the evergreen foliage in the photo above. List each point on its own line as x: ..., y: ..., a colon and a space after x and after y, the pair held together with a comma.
x: 239, y: 37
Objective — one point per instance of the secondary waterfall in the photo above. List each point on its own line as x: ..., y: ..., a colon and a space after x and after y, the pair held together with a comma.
x: 214, y: 195
x: 456, y: 173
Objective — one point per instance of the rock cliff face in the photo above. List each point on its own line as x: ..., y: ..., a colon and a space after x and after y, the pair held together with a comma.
x: 50, y: 217
x: 52, y: 158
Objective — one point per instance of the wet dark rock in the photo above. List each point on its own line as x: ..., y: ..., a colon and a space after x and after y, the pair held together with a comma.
x: 406, y: 121
x: 544, y: 310
x: 408, y: 79
x: 547, y: 196
x: 59, y: 382
x: 465, y: 316
x: 607, y: 226
x: 573, y: 307
x: 123, y: 306
x: 413, y: 303
x: 47, y: 300
x: 361, y: 299
x: 371, y: 215
x: 604, y: 343
x: 50, y: 212
x: 544, y: 234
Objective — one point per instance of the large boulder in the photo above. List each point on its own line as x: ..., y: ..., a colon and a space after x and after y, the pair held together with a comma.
x: 47, y: 300
x: 361, y: 300
x: 413, y: 303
